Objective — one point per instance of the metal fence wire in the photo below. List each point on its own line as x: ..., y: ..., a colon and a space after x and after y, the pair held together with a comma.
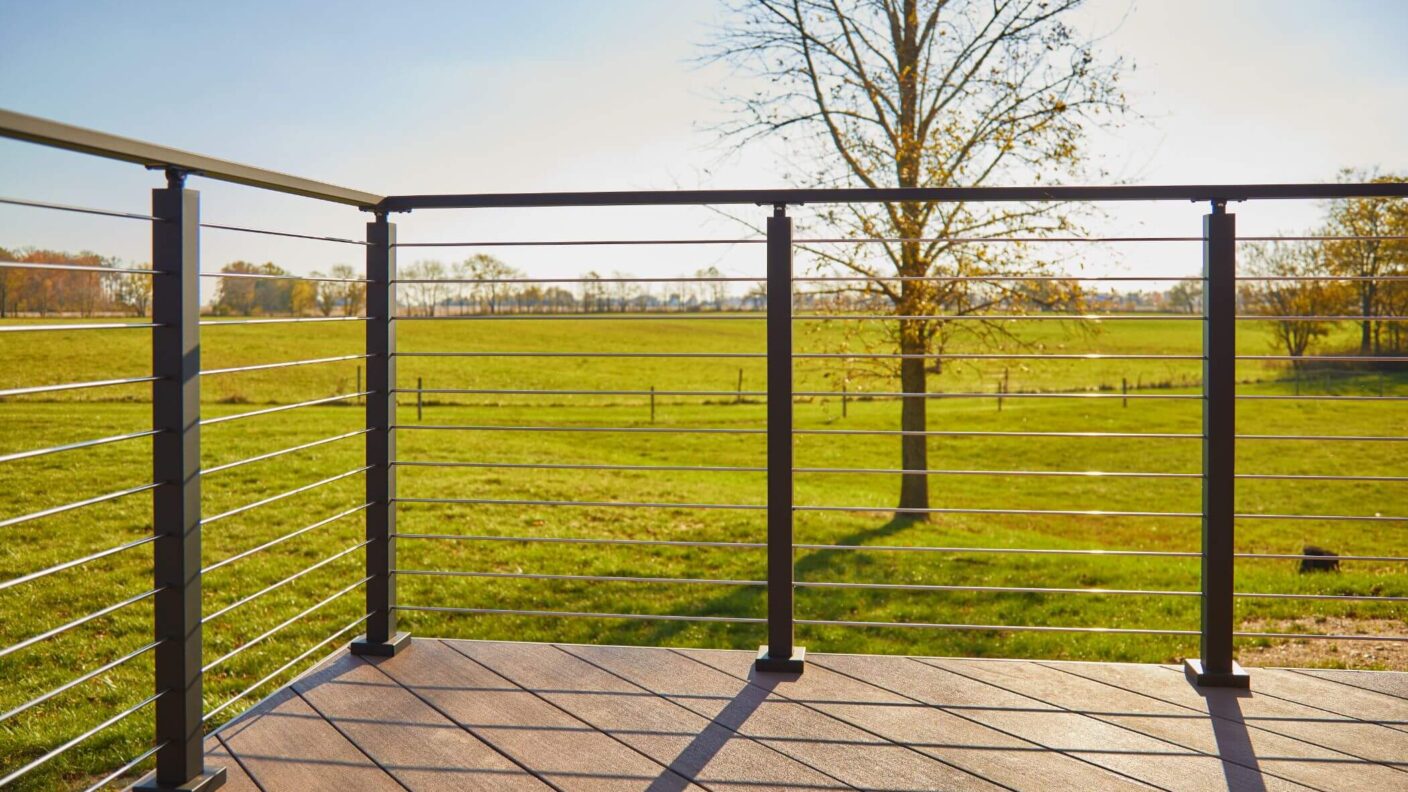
x: 790, y: 465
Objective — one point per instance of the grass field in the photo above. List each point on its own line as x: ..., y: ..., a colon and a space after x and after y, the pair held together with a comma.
x: 54, y: 357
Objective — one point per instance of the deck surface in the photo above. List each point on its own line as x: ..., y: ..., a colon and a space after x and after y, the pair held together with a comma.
x: 476, y: 715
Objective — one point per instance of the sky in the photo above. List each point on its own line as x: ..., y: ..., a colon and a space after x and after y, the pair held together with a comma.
x: 539, y: 95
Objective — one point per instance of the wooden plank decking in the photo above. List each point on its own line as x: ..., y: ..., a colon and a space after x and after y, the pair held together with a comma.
x: 475, y: 715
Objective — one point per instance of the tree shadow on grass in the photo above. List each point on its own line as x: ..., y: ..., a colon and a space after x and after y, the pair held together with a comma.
x: 752, y: 600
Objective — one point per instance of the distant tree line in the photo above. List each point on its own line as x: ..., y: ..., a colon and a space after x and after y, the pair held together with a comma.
x: 56, y: 292
x: 268, y: 289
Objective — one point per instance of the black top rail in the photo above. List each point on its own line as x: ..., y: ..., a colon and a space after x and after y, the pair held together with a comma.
x: 74, y: 138
x: 797, y: 197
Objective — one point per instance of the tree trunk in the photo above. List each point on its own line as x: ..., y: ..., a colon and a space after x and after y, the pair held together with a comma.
x: 1366, y: 310
x: 914, y: 448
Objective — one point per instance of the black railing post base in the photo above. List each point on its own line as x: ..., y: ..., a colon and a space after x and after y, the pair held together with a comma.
x: 784, y: 665
x: 207, y: 781
x: 1236, y: 678
x: 364, y: 648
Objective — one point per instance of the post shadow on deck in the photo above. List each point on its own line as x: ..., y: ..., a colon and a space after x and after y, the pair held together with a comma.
x: 1215, y: 666
x: 176, y: 516
x: 381, y: 639
x: 780, y: 652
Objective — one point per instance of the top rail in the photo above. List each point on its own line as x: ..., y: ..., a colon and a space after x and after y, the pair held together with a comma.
x: 74, y: 138
x: 795, y: 197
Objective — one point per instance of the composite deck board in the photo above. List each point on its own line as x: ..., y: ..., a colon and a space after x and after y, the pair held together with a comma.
x: 669, y: 733
x: 421, y: 748
x: 1232, y: 740
x: 1388, y: 684
x: 837, y: 748
x: 550, y: 742
x: 481, y: 715
x: 1308, y: 724
x: 288, y: 745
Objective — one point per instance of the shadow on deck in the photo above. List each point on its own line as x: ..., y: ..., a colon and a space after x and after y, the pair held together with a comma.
x: 480, y: 715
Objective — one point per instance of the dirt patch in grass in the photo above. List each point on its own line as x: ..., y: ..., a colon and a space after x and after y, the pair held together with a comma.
x: 1384, y: 655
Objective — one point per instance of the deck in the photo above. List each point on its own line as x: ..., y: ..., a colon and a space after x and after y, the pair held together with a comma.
x: 477, y: 715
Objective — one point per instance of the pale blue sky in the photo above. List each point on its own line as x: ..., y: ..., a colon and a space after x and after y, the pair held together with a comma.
x: 491, y: 96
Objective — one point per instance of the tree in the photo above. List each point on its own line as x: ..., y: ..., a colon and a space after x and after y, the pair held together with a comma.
x: 327, y: 294
x: 1364, y: 254
x: 1275, y: 296
x: 352, y: 292
x: 924, y: 93
x: 1186, y: 297
x: 303, y: 297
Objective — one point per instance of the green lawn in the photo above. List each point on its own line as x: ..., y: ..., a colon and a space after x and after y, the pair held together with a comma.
x: 52, y: 357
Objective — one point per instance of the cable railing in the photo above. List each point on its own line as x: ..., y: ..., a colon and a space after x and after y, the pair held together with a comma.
x: 776, y: 464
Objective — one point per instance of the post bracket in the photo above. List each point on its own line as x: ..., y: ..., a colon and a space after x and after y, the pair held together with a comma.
x: 364, y: 648
x: 1236, y: 678
x: 208, y: 781
x: 785, y: 665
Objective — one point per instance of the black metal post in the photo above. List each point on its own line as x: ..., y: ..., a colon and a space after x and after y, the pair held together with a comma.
x: 382, y: 639
x: 1216, y: 668
x: 180, y: 762
x: 780, y: 654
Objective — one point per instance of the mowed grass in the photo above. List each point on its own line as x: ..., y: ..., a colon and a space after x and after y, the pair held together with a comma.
x: 53, y: 357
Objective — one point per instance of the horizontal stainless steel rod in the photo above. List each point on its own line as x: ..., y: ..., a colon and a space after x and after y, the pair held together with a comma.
x: 281, y: 496
x: 990, y: 278
x: 721, y: 355
x: 70, y: 386
x: 265, y: 276
x: 798, y: 197
x: 1054, y: 473
x: 610, y: 504
x: 763, y: 545
x: 73, y: 138
x: 60, y: 326
x: 983, y: 356
x: 1315, y: 477
x: 282, y: 408
x: 975, y: 433
x: 984, y: 240
x: 275, y: 454
x: 280, y: 540
x: 569, y: 466
x: 593, y: 578
x: 126, y: 768
x: 268, y: 232
x: 285, y: 364
x: 80, y: 621
x: 1028, y: 512
x: 280, y: 584
x: 541, y: 392
x: 582, y: 242
x: 1319, y: 318
x: 984, y: 395
x: 995, y: 627
x: 694, y: 316
x: 1002, y: 550
x: 1320, y: 636
x: 75, y: 682
x: 612, y: 279
x: 627, y: 429
x: 997, y: 589
x: 1299, y: 557
x: 289, y: 320
x: 1347, y: 597
x: 53, y: 510
x: 582, y: 614
x: 79, y: 209
x: 264, y: 680
x: 1313, y: 397
x: 36, y: 265
x: 1324, y: 438
x: 278, y: 627
x: 571, y: 540
x: 110, y: 722
x: 45, y: 572
x: 1328, y: 358
x: 1310, y: 278
x: 38, y: 452
x: 1340, y: 517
